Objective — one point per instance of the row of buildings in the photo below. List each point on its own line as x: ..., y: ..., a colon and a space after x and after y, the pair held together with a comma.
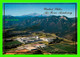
x: 28, y: 39
x: 33, y: 39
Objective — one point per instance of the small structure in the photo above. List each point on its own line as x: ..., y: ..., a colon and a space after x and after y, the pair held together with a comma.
x: 37, y: 37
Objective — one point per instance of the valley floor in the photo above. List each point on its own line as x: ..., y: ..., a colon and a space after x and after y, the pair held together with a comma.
x: 44, y: 47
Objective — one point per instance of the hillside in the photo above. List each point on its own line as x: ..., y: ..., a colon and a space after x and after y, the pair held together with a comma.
x: 62, y: 26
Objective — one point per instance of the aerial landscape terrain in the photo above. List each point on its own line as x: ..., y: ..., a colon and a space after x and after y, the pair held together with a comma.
x: 27, y: 31
x: 51, y: 34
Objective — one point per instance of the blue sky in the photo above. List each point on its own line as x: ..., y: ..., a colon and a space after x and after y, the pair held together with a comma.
x: 19, y: 9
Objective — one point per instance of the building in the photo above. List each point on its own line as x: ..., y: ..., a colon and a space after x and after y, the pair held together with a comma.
x: 47, y: 39
x: 37, y: 37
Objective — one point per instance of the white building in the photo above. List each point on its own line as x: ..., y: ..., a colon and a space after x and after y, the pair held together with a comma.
x: 47, y: 39
x: 37, y: 37
x: 22, y: 40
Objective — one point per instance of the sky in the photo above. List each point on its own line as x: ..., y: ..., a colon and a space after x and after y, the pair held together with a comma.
x: 18, y: 9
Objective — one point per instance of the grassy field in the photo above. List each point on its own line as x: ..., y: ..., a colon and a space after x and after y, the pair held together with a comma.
x: 60, y: 48
x: 12, y: 44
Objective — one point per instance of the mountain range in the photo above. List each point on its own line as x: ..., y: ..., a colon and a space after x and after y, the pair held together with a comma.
x: 60, y: 25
